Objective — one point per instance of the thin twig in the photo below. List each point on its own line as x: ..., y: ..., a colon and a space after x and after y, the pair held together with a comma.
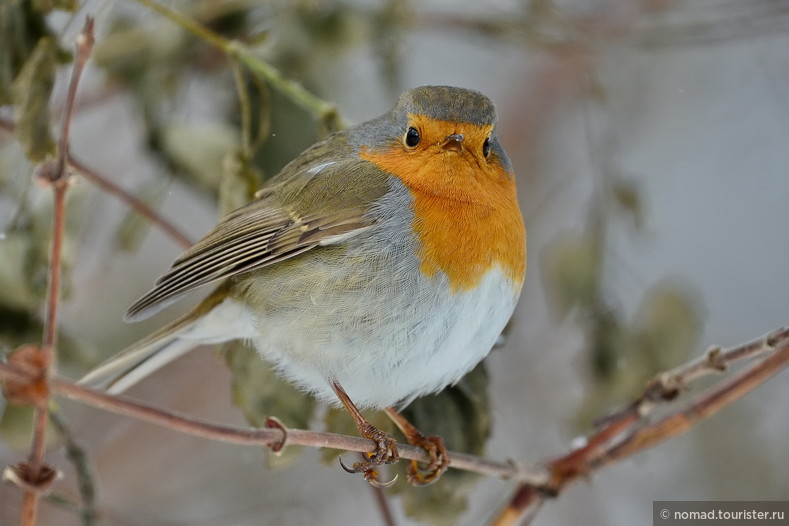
x: 35, y: 464
x: 382, y: 503
x: 666, y: 386
x: 716, y: 360
x: 245, y: 110
x: 618, y: 439
x: 84, y: 47
x: 325, y: 112
x: 702, y: 407
x: 111, y: 188
x: 57, y: 176
x: 629, y: 432
x: 82, y: 466
x: 134, y: 203
x: 271, y: 436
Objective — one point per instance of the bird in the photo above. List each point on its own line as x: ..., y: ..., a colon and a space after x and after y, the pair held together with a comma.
x: 379, y: 265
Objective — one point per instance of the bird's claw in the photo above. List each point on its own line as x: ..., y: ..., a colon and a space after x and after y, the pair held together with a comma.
x: 367, y: 468
x: 385, y: 453
x: 422, y: 474
x: 371, y: 476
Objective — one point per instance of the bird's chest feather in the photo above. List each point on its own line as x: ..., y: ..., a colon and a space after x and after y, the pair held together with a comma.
x: 399, y: 311
x: 466, y: 216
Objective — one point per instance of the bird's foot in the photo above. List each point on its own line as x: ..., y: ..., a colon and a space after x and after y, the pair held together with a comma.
x: 424, y: 473
x: 385, y: 453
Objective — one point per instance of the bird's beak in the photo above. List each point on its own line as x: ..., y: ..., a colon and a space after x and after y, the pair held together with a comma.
x: 453, y: 142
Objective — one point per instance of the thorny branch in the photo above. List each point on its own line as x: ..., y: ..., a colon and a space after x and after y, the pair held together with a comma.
x: 274, y: 435
x: 326, y: 113
x: 619, y: 436
x: 631, y: 431
x: 80, y: 460
x: 34, y: 476
x: 112, y: 188
x: 134, y: 203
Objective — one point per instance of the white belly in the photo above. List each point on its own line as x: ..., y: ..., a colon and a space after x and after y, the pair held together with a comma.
x: 426, y: 341
x: 362, y: 314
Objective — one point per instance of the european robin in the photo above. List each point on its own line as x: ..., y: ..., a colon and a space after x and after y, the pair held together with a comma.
x: 379, y: 265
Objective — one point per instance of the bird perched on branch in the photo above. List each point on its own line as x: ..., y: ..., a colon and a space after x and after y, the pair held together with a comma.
x: 379, y: 265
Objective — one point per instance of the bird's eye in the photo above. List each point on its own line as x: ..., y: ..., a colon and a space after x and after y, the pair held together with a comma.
x: 412, y: 137
x: 486, y: 147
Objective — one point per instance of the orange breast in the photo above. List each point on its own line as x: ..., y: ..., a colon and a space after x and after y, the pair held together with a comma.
x: 466, y: 212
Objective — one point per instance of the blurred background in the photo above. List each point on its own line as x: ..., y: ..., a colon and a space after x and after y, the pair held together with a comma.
x: 650, y: 143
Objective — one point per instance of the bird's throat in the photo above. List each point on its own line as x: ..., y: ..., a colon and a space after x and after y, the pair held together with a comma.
x: 466, y: 218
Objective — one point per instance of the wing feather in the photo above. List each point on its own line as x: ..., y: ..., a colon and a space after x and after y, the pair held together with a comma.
x: 273, y: 228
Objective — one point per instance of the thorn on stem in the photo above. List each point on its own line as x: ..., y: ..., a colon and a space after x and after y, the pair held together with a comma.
x: 716, y: 359
x: 47, y: 174
x: 35, y: 361
x: 85, y: 39
x: 273, y: 422
x: 39, y: 481
x: 772, y: 339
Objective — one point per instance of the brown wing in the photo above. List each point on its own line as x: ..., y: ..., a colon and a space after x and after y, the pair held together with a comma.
x: 302, y: 213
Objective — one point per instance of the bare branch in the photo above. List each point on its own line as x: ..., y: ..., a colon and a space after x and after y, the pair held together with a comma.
x: 630, y: 431
x: 36, y: 475
x: 276, y: 435
x: 133, y: 202
x: 704, y: 405
x: 666, y: 386
x: 111, y: 188
x: 84, y: 470
x: 626, y: 433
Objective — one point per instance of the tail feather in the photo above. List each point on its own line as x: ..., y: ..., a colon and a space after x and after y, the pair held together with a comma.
x: 140, y: 360
x: 223, y: 321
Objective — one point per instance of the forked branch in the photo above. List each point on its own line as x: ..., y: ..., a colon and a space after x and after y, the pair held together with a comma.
x: 632, y: 430
x: 618, y: 436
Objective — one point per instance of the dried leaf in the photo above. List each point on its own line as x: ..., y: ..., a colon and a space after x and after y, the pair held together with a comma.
x: 571, y: 272
x: 667, y: 326
x: 136, y: 54
x: 259, y: 392
x: 608, y: 339
x: 16, y: 422
x: 239, y: 182
x: 39, y: 227
x: 17, y: 292
x: 444, y: 502
x: 461, y: 415
x: 133, y: 227
x: 628, y: 196
x: 24, y: 251
x: 200, y: 149
x: 47, y: 6
x: 664, y: 332
x: 21, y: 28
x: 31, y: 91
x: 17, y: 329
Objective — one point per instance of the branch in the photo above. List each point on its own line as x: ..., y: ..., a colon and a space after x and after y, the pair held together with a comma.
x: 621, y: 435
x: 111, y: 188
x: 82, y: 466
x: 134, y: 202
x: 275, y: 435
x: 325, y: 112
x: 34, y: 476
x: 630, y: 431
